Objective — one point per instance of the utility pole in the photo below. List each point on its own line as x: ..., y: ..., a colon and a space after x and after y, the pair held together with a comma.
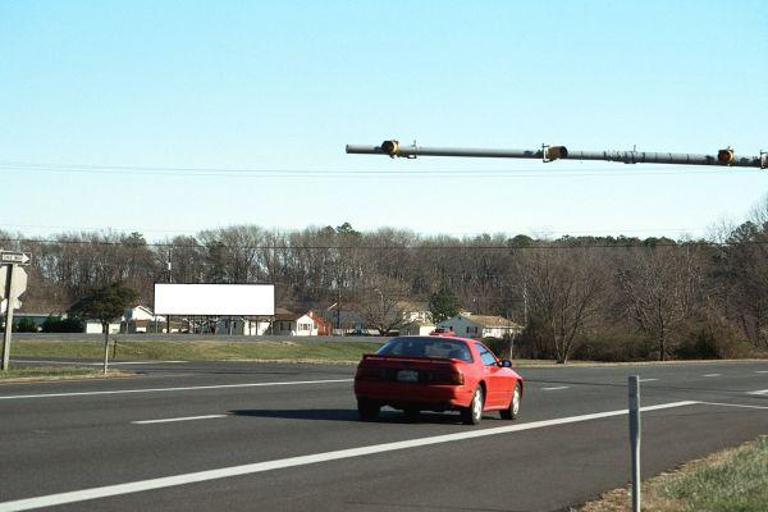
x: 724, y: 157
x: 338, y: 308
x: 525, y: 302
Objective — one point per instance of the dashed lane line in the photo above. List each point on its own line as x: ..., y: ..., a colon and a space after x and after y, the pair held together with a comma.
x: 555, y: 388
x: 759, y: 392
x: 712, y: 375
x: 168, y: 390
x: 184, y: 418
x: 260, y: 467
x: 742, y: 406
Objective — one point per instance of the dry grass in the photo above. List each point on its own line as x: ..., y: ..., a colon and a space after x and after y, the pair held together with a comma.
x: 47, y: 373
x: 730, y: 480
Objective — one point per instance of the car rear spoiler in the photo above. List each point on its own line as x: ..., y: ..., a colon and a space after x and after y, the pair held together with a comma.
x: 376, y: 357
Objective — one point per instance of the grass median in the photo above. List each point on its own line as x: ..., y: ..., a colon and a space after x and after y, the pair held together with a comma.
x: 50, y: 373
x: 731, y: 480
x: 289, y: 351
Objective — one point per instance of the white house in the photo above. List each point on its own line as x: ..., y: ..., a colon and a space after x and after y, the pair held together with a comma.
x: 417, y: 318
x: 94, y: 327
x: 294, y: 324
x: 142, y: 319
x: 414, y: 312
x: 481, y: 326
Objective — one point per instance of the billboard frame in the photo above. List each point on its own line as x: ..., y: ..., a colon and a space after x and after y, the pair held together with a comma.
x: 219, y: 313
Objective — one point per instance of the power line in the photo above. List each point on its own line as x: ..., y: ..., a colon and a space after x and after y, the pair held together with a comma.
x: 273, y: 173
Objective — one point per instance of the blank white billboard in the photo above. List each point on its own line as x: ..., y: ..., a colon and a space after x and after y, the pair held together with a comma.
x: 215, y: 299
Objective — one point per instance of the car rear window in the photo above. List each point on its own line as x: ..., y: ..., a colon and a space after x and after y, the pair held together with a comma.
x: 426, y: 347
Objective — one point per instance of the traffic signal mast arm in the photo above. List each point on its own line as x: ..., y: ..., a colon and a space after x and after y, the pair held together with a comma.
x: 725, y: 157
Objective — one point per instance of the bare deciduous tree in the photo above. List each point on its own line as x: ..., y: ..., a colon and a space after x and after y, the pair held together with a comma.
x: 378, y: 303
x: 660, y: 289
x: 564, y: 289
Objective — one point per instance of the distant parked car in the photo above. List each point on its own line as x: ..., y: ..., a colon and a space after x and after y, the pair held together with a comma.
x: 440, y: 372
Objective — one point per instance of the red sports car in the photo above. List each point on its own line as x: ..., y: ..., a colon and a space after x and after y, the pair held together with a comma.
x: 437, y: 373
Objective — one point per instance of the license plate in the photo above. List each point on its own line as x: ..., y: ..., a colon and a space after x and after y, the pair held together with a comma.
x: 407, y: 376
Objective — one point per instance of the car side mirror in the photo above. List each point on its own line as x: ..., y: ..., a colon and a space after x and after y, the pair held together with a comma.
x: 505, y: 363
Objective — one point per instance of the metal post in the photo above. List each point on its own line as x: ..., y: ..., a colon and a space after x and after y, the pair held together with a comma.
x: 106, y: 348
x: 169, y: 262
x: 8, y: 319
x: 634, y: 438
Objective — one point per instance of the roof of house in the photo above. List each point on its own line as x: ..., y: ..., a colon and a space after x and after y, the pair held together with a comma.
x: 42, y: 306
x: 412, y: 306
x: 285, y: 314
x: 492, y: 321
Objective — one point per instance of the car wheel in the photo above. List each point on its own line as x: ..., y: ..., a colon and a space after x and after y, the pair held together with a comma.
x: 474, y: 413
x: 511, y: 412
x: 367, y: 409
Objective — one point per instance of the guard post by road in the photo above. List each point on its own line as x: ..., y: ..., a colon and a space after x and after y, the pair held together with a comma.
x: 14, y: 279
x: 634, y: 438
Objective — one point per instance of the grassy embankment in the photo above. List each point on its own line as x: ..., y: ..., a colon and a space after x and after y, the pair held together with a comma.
x: 726, y: 481
x: 284, y: 351
x: 330, y: 352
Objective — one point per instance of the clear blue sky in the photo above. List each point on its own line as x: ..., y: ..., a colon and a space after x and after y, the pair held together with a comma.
x: 285, y: 85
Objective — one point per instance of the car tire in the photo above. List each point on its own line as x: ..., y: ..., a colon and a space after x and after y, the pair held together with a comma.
x: 474, y: 413
x: 511, y: 412
x: 367, y: 409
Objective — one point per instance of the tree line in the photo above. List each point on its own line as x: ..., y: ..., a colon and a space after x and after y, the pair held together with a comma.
x: 608, y: 298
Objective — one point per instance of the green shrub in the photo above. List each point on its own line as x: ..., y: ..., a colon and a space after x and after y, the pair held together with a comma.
x: 499, y: 346
x: 58, y: 324
x: 614, y: 347
x: 25, y: 325
x: 713, y: 337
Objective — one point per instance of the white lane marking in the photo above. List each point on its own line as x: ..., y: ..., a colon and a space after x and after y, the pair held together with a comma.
x: 80, y: 363
x: 647, y: 380
x: 144, y: 362
x: 555, y: 388
x: 185, y: 418
x: 186, y: 388
x: 759, y: 392
x: 761, y: 371
x: 260, y: 467
x: 712, y: 375
x: 743, y: 406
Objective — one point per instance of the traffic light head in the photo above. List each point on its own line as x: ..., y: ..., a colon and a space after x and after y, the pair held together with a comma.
x: 555, y: 153
x: 726, y: 156
x: 390, y: 147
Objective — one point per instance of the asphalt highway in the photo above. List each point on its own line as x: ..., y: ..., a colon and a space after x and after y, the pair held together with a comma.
x: 241, y: 436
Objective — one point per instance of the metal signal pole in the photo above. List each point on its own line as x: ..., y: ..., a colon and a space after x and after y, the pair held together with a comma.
x: 724, y: 157
x: 634, y: 438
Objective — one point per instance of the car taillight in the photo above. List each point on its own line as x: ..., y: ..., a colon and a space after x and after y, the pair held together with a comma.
x: 455, y: 377
x: 368, y: 373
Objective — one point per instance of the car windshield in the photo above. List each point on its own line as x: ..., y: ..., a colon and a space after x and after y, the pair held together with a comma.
x: 426, y: 347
